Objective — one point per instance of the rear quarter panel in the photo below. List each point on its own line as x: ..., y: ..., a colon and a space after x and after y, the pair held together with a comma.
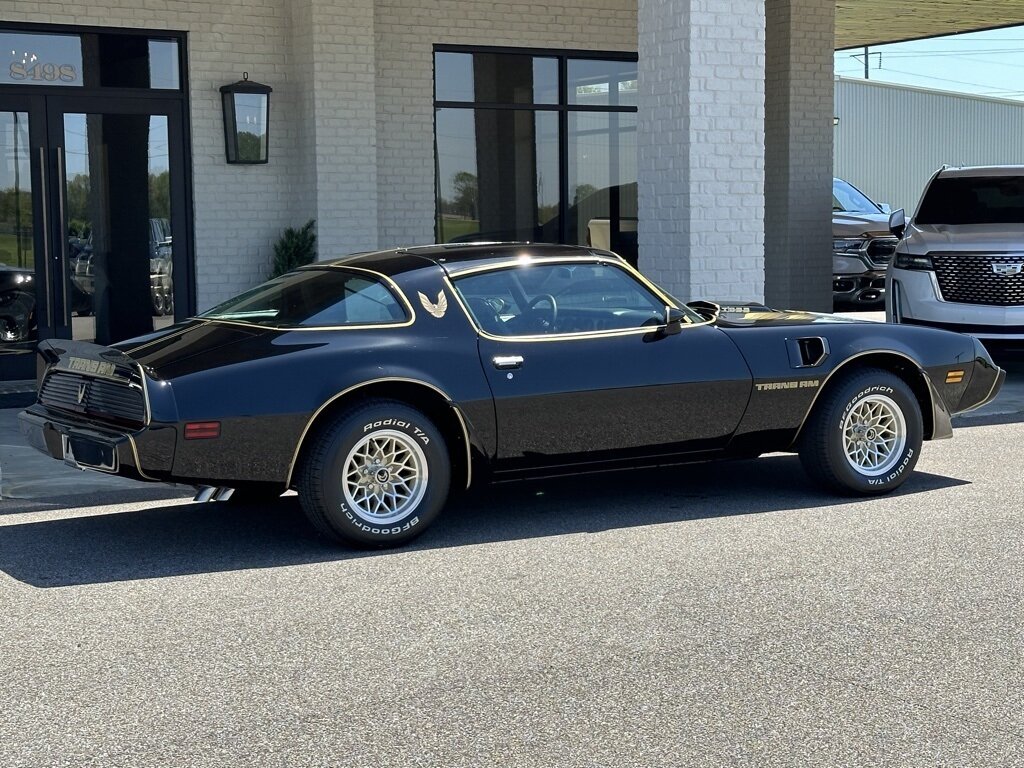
x: 266, y: 386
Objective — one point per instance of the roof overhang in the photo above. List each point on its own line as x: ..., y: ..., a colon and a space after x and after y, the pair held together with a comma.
x: 873, y: 22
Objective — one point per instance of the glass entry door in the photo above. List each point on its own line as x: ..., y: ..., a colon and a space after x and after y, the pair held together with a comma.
x: 93, y: 236
x: 120, y: 214
x: 23, y: 261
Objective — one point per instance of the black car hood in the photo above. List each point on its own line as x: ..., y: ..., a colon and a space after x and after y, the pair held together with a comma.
x: 192, y: 345
x: 734, y: 315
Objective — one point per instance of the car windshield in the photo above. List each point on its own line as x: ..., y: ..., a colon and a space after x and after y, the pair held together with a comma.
x: 313, y: 298
x: 973, y: 200
x: 849, y: 199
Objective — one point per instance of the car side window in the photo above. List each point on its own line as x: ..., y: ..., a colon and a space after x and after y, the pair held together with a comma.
x: 545, y: 299
x: 312, y: 298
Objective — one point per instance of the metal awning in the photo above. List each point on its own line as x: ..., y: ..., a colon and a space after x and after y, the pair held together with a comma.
x: 872, y: 22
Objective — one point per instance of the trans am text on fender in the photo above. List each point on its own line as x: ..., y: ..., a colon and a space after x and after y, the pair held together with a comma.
x: 377, y: 384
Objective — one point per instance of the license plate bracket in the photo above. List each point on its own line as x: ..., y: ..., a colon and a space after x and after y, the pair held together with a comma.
x: 82, y: 453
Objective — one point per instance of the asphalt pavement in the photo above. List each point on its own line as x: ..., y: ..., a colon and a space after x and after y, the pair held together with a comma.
x: 721, y: 614
x: 724, y: 614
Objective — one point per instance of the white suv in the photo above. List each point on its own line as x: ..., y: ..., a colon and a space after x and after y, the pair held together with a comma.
x: 960, y: 261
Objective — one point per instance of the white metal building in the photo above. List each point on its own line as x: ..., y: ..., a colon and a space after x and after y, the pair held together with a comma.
x: 891, y: 138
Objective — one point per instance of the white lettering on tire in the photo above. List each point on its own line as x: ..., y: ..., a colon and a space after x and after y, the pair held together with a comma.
x: 393, y: 530
x: 863, y: 393
x: 397, y: 423
x: 895, y: 473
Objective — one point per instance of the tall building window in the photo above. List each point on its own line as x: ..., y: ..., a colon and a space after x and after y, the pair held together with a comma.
x: 536, y: 145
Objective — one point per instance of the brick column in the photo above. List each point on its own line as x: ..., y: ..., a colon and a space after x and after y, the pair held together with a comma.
x: 798, y: 159
x: 701, y: 147
x: 335, y: 74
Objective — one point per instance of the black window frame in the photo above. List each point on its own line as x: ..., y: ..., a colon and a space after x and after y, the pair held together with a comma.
x: 562, y: 108
x: 181, y: 95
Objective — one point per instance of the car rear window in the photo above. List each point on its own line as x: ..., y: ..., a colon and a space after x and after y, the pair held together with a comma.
x: 313, y: 298
x: 973, y: 200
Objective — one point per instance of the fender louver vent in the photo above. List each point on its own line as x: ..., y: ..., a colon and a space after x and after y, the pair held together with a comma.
x: 811, y: 351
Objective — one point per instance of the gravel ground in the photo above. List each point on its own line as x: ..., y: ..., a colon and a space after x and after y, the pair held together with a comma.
x: 710, y: 615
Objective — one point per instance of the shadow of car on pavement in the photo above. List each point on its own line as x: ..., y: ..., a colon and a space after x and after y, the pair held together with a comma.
x: 207, y: 538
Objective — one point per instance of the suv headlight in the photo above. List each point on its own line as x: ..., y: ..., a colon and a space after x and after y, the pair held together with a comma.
x: 848, y: 245
x: 910, y: 261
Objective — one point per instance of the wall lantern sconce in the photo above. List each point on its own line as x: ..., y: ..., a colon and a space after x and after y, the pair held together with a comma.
x: 835, y: 121
x: 246, y: 116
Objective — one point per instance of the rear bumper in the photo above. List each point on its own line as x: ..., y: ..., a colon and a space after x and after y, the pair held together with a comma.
x: 84, y: 446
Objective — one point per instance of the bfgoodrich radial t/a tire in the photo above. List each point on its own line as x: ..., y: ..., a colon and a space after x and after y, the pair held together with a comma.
x: 376, y: 477
x: 864, y: 435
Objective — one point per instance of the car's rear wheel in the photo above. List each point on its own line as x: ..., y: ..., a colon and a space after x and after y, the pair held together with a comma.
x: 864, y: 435
x: 377, y: 476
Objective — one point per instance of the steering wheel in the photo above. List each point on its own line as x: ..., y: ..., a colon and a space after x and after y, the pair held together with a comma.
x: 548, y: 323
x: 486, y: 313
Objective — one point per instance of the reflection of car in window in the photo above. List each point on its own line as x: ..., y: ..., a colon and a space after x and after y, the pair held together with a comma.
x: 161, y: 266
x: 82, y: 269
x: 17, y: 305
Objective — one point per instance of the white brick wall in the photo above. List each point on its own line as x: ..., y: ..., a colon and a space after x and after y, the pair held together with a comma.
x: 701, y: 146
x: 343, y: 119
x: 406, y: 31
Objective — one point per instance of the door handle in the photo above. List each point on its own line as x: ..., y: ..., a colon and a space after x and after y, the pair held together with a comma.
x: 62, y: 246
x: 47, y: 278
x: 507, y: 362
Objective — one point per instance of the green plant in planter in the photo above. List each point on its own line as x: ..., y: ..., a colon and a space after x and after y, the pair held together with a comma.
x: 294, y: 248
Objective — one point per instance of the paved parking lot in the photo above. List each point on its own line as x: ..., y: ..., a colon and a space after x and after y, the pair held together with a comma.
x: 710, y: 615
x: 723, y: 614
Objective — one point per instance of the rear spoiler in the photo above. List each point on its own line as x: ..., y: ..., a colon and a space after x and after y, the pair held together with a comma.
x: 87, y: 358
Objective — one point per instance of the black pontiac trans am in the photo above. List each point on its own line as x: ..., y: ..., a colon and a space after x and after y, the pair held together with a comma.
x: 377, y: 384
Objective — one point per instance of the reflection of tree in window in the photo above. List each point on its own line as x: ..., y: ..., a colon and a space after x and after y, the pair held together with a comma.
x: 465, y: 186
x: 582, y: 192
x: 160, y: 195
x: 250, y: 145
x: 78, y: 190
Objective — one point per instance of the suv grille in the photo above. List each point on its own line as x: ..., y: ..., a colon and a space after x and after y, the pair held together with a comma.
x: 968, y: 278
x: 881, y: 249
x: 102, y: 398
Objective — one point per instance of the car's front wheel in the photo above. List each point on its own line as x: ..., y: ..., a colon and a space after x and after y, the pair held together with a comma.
x: 375, y: 477
x: 864, y: 435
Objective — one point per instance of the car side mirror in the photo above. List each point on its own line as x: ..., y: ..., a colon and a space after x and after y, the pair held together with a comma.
x: 674, y: 319
x: 885, y: 207
x: 898, y: 222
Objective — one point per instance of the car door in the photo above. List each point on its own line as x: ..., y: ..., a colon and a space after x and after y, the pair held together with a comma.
x: 581, y: 367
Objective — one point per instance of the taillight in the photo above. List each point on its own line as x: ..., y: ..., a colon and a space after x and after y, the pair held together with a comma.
x: 202, y: 430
